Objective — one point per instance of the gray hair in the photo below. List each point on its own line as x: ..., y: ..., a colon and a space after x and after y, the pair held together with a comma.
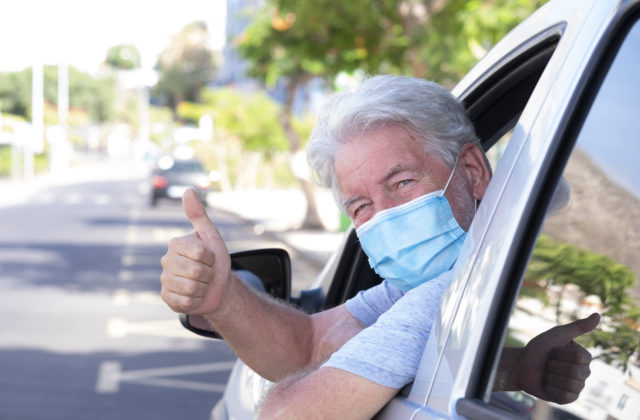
x: 423, y: 108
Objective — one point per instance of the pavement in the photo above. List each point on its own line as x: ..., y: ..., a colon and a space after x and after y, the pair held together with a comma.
x: 278, y: 213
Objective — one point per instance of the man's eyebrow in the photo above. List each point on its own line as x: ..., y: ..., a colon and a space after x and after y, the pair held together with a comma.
x: 350, y: 201
x: 401, y: 167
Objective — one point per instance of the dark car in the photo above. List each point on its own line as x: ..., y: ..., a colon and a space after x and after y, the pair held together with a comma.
x: 173, y: 177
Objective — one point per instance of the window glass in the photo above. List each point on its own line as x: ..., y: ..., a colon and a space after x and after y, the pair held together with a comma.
x: 587, y: 258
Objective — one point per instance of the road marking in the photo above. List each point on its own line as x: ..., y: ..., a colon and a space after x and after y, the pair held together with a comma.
x: 165, y: 234
x: 126, y: 275
x: 102, y: 199
x: 110, y: 376
x: 73, y: 198
x: 123, y: 297
x: 119, y: 328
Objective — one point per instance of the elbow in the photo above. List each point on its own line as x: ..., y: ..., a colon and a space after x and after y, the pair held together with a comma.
x: 274, y: 406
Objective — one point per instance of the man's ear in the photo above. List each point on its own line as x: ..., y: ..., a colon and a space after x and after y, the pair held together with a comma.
x: 476, y: 169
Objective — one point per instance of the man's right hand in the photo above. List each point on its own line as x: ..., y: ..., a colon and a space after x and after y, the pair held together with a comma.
x: 196, y: 267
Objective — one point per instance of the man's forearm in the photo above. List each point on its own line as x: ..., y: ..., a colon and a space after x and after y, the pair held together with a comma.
x: 272, y: 338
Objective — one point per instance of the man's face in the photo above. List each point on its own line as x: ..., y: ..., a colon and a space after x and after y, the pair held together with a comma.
x: 388, y: 167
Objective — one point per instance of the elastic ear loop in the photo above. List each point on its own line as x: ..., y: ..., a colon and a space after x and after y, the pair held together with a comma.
x: 455, y: 164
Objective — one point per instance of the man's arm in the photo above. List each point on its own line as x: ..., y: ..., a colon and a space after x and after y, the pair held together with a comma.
x: 272, y: 338
x: 326, y: 393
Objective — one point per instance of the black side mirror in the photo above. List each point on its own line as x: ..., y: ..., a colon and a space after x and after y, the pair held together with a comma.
x: 266, y: 270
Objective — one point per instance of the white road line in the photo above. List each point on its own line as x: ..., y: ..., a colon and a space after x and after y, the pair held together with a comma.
x: 123, y: 297
x: 102, y: 199
x: 125, y: 275
x: 108, y: 380
x: 110, y: 376
x: 119, y: 328
x: 73, y: 198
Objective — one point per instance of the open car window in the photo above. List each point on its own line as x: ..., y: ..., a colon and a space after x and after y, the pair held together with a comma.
x: 586, y: 257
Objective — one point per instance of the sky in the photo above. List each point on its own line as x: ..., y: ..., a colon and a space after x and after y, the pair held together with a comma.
x: 81, y: 31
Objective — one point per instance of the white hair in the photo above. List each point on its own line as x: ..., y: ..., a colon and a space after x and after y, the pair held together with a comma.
x: 423, y: 108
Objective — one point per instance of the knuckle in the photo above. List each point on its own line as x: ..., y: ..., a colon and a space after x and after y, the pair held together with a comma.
x: 199, y: 252
x: 196, y: 271
x: 174, y: 243
x: 191, y: 288
x: 188, y: 303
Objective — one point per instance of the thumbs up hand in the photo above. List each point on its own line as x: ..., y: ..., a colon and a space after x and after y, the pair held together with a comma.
x: 552, y: 366
x: 196, y: 267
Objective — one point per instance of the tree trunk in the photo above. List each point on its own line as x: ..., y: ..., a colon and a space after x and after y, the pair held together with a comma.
x: 312, y: 216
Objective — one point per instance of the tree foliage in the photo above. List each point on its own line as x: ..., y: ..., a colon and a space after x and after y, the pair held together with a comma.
x: 436, y: 39
x: 249, y: 117
x: 185, y: 66
x: 302, y: 39
x: 298, y: 40
x: 123, y: 57
x: 446, y: 38
x: 595, y: 274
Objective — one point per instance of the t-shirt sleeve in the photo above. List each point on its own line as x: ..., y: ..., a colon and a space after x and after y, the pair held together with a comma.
x: 389, y: 351
x: 369, y: 304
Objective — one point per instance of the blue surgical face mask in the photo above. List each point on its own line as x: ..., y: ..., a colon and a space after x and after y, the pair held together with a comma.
x: 415, y: 242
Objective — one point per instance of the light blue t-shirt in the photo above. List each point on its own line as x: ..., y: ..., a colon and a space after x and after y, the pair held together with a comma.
x: 389, y: 350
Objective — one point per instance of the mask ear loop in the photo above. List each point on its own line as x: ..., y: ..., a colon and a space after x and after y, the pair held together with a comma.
x: 450, y: 177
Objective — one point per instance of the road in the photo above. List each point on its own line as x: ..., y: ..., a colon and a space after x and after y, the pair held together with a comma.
x: 84, y: 334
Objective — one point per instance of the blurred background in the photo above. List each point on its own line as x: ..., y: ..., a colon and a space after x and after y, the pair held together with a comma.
x: 109, y: 110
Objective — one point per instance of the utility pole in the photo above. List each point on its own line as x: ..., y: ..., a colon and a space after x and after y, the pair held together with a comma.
x: 57, y: 136
x: 33, y: 142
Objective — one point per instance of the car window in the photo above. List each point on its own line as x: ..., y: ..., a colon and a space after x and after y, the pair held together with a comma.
x: 586, y: 257
x: 186, y: 166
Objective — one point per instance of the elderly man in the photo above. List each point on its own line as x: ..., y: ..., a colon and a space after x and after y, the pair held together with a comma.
x: 405, y: 165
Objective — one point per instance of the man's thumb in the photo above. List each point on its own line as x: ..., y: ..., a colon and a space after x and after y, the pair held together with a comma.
x: 198, y: 217
x: 581, y: 326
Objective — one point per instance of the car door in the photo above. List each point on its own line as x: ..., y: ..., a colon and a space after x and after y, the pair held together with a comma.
x: 579, y: 47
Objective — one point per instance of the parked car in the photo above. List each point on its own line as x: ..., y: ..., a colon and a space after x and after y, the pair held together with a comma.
x: 173, y: 176
x: 557, y: 99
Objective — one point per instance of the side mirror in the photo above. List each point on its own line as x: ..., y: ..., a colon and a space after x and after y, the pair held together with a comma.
x: 266, y: 270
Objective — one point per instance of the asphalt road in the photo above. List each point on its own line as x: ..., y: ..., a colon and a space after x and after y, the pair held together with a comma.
x: 83, y: 332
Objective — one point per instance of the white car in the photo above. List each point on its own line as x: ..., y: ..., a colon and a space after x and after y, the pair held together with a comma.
x: 557, y: 99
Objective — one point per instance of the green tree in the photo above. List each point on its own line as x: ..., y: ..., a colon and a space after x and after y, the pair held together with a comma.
x: 595, y: 274
x: 446, y: 38
x: 94, y: 95
x: 123, y: 57
x: 298, y: 40
x: 185, y: 66
x: 250, y: 118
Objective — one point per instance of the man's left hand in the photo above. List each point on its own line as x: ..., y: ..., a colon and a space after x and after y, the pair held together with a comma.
x: 552, y: 366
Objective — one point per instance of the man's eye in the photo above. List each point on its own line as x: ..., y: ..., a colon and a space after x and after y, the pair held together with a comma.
x: 359, y: 208
x: 404, y: 182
